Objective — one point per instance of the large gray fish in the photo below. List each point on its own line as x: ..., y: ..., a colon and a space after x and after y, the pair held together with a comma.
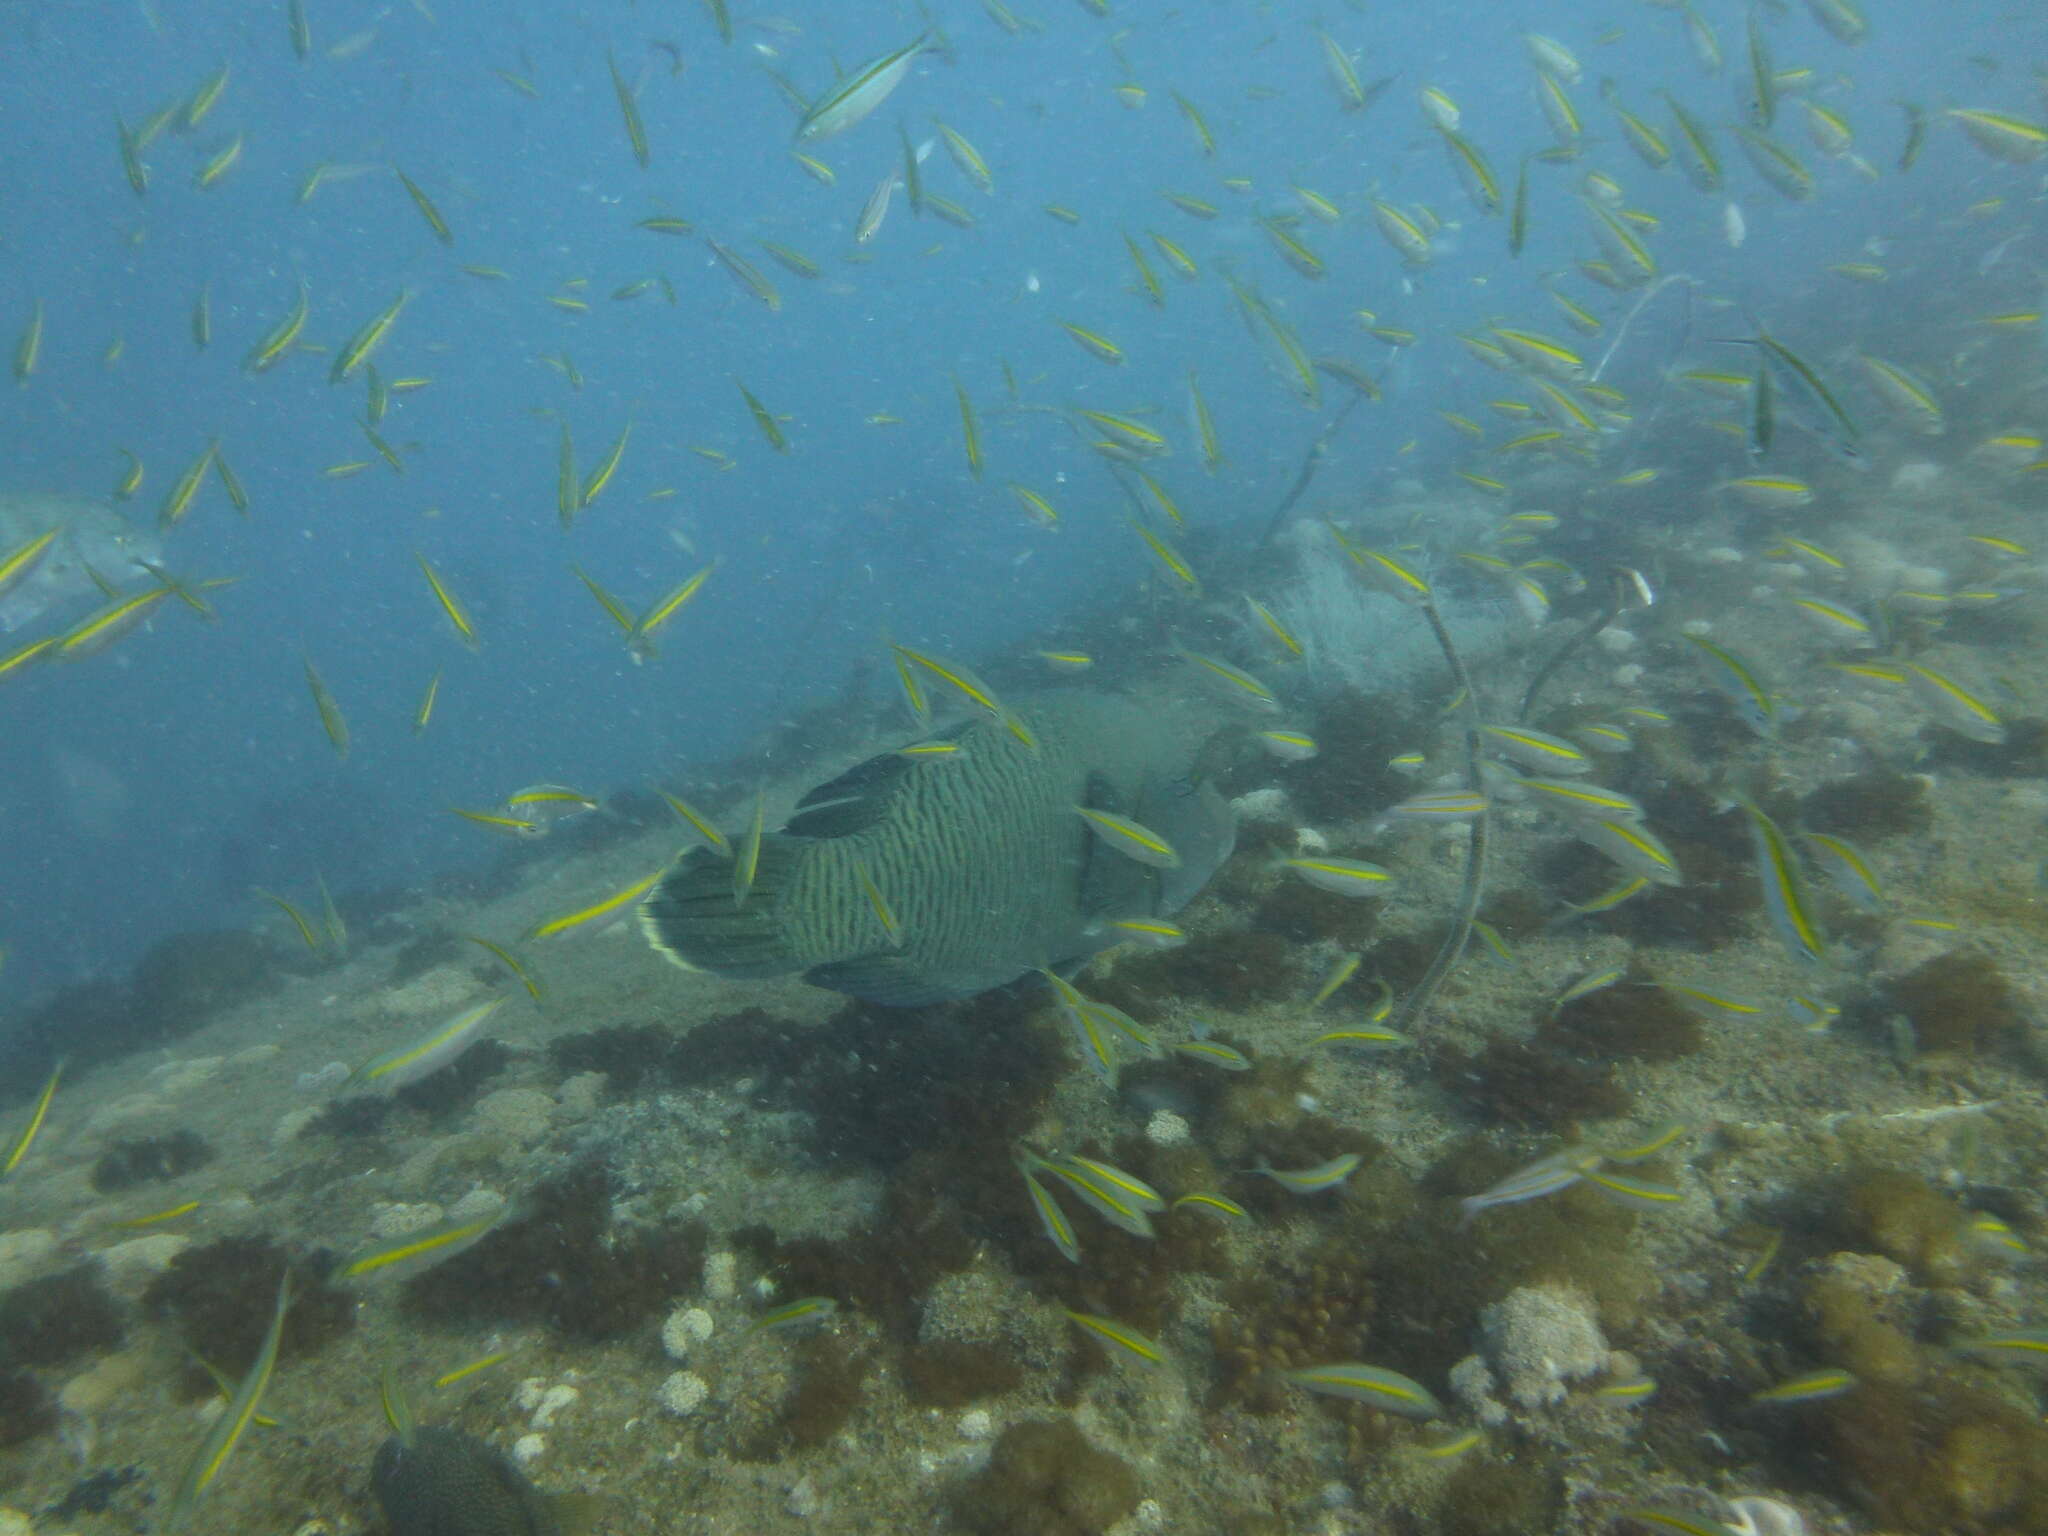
x: 978, y: 856
x: 96, y: 538
x: 433, y: 1481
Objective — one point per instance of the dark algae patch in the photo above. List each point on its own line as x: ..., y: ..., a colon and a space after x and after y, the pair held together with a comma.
x: 54, y: 1320
x: 564, y: 1261
x: 27, y: 1408
x: 1044, y: 1479
x: 951, y: 1373
x: 149, y: 1160
x: 1533, y: 1083
x: 1962, y: 1003
x: 219, y: 1297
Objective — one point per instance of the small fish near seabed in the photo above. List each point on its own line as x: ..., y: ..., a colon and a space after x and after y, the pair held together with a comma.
x: 988, y: 871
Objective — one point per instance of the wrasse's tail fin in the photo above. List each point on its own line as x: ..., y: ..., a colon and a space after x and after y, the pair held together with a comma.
x: 691, y: 918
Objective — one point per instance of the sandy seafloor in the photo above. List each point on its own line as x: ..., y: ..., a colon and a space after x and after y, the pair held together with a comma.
x: 1802, y: 1134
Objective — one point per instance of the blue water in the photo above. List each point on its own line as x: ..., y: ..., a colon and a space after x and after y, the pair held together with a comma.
x: 194, y: 733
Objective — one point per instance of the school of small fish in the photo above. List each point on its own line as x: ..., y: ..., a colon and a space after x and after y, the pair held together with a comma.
x: 1784, y: 432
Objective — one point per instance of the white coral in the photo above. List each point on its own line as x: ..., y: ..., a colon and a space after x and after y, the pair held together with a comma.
x: 683, y: 1393
x: 684, y: 1327
x: 1538, y: 1338
x: 721, y: 1275
x: 1270, y: 804
x: 1167, y: 1129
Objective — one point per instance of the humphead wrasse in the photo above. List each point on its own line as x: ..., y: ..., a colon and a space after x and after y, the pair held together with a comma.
x: 93, y: 538
x: 986, y: 871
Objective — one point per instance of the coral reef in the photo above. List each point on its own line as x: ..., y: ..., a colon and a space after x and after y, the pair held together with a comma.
x: 1288, y: 1314
x: 1863, y: 1312
x: 1268, y: 1095
x: 1909, y: 1221
x: 1943, y: 1456
x: 1539, y: 1338
x: 1434, y: 1272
